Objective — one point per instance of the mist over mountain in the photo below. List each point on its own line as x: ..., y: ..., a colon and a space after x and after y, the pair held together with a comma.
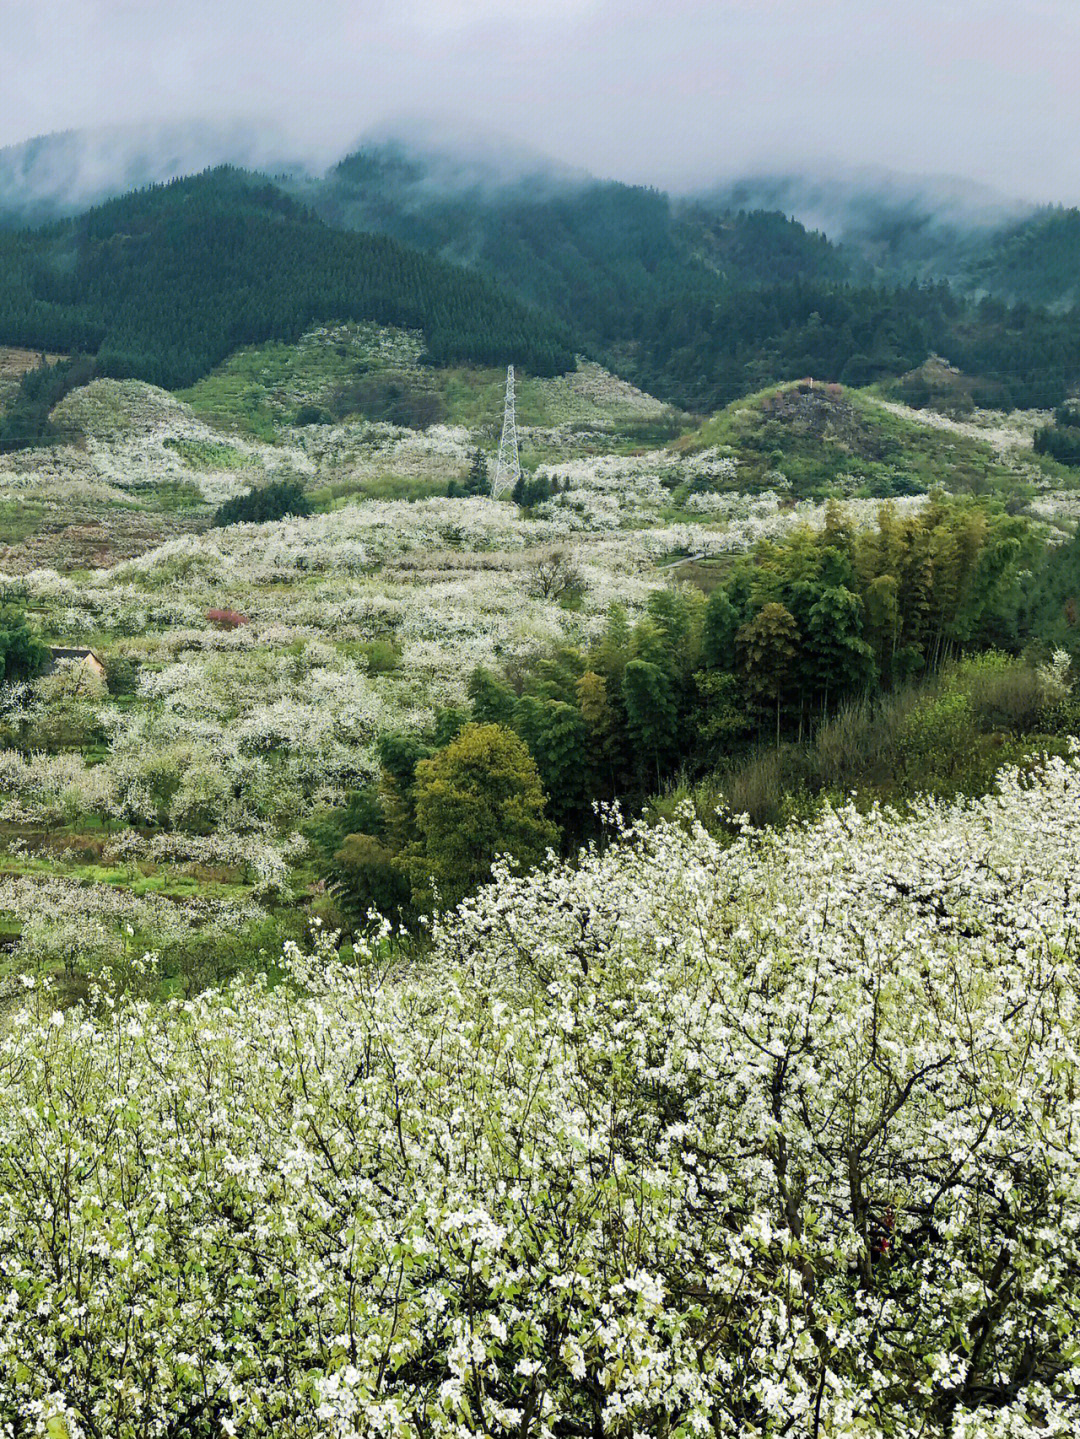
x: 695, y: 298
x: 57, y: 175
x: 896, y: 227
x: 54, y: 176
x: 458, y: 189
x: 886, y: 214
x: 165, y: 283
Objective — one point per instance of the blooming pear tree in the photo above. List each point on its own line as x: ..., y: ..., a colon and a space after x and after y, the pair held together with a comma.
x: 772, y: 1138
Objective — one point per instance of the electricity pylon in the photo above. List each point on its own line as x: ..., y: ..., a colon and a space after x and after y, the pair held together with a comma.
x: 508, y: 467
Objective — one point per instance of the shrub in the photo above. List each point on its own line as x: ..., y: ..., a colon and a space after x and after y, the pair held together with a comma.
x: 312, y: 415
x: 393, y: 399
x: 270, y: 502
x: 227, y: 619
x: 936, y: 737
x: 22, y: 654
x: 121, y: 674
x: 382, y: 657
x: 1003, y: 693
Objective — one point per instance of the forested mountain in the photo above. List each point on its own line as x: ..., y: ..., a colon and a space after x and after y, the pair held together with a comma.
x: 463, y: 194
x: 893, y: 228
x: 564, y: 239
x: 638, y: 275
x: 1037, y: 259
x: 896, y: 229
x: 165, y: 282
x: 695, y: 302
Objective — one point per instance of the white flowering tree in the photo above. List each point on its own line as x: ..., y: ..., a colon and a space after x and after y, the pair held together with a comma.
x: 773, y: 1139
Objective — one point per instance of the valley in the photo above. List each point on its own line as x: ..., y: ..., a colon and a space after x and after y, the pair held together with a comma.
x: 254, y: 672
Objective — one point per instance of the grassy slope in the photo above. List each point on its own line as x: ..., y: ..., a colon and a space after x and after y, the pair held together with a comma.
x: 259, y: 390
x: 833, y: 440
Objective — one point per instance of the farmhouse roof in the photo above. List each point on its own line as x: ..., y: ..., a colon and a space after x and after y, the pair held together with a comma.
x: 70, y: 652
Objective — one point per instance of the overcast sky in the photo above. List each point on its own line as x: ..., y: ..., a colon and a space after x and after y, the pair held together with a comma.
x: 671, y: 91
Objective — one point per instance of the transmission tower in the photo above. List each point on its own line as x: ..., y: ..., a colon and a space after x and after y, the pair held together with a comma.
x: 508, y: 468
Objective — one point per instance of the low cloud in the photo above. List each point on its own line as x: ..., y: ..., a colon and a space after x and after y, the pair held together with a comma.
x: 679, y: 93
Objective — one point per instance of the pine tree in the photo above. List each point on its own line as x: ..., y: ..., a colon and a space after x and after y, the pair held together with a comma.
x: 478, y: 481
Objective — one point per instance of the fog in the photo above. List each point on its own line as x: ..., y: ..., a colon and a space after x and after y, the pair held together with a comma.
x: 678, y: 93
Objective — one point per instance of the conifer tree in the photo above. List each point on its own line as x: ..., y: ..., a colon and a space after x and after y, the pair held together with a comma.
x: 478, y: 481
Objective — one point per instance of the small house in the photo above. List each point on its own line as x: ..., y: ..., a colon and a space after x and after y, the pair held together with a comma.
x: 81, y: 656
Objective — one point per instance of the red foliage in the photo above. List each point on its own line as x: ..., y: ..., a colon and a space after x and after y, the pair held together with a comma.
x: 226, y: 619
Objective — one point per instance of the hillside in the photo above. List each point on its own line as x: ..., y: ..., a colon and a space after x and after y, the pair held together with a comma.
x: 214, y: 858
x: 164, y: 283
x: 355, y: 412
x: 700, y: 301
x: 59, y: 175
x: 539, y: 720
x: 821, y: 439
x: 350, y: 408
x: 1035, y: 260
x: 688, y: 302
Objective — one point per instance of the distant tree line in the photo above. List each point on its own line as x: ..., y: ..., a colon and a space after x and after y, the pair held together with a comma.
x: 696, y: 307
x: 1061, y: 439
x: 700, y: 307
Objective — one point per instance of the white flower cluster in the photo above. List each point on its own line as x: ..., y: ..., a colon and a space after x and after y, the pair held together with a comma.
x: 773, y: 1139
x: 87, y: 925
x: 1060, y: 509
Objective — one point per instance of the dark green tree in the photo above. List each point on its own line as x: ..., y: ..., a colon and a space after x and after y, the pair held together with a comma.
x: 493, y: 701
x: 22, y: 654
x: 369, y: 877
x: 651, y: 713
x: 558, y: 740
x: 769, y: 651
x: 720, y: 626
x: 479, y: 797
x: 478, y: 482
x: 269, y: 502
x: 841, y: 662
